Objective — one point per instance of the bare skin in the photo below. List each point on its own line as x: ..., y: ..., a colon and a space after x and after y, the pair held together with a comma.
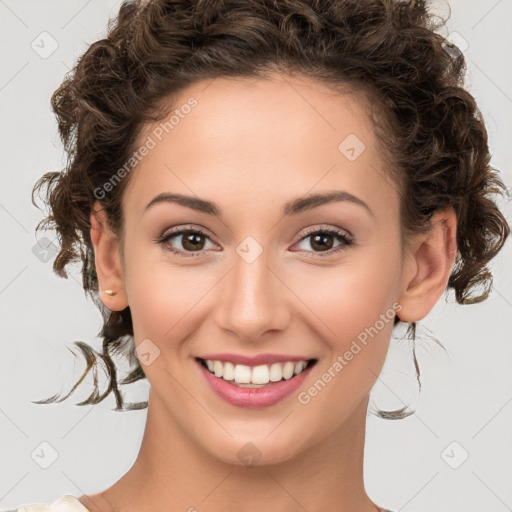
x: 251, y: 148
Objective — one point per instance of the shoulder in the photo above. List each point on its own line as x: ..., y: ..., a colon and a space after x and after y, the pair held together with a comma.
x: 66, y: 503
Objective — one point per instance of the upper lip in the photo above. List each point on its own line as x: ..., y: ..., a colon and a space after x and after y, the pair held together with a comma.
x: 253, y: 360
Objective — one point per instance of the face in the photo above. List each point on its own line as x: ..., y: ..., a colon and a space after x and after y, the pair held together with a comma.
x: 255, y: 277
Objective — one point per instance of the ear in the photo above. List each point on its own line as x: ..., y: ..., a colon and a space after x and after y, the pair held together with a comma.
x: 107, y: 260
x: 430, y: 259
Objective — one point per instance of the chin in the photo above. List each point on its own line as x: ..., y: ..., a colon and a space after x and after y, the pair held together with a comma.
x: 256, y: 449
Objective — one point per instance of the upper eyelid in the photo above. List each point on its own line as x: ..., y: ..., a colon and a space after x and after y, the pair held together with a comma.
x: 330, y: 229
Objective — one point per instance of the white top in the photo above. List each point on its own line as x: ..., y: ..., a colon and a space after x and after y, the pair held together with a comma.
x: 66, y: 503
x: 69, y: 503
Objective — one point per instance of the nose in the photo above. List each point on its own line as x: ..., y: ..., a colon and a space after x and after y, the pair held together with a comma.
x: 253, y: 300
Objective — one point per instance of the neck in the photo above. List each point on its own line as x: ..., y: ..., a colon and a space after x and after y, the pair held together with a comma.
x: 172, y: 472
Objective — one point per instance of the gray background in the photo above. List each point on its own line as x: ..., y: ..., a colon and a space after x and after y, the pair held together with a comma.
x: 465, y: 405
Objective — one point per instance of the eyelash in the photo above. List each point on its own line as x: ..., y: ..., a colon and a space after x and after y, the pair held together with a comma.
x: 341, y: 236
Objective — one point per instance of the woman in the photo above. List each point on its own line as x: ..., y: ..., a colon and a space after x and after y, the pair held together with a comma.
x: 259, y: 192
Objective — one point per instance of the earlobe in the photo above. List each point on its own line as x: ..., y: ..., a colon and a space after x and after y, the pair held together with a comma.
x: 107, y: 261
x: 430, y: 261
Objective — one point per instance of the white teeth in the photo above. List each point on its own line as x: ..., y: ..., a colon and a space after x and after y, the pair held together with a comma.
x: 258, y: 375
x: 242, y: 374
x: 228, y: 372
x: 218, y: 368
x: 288, y: 370
x: 276, y: 372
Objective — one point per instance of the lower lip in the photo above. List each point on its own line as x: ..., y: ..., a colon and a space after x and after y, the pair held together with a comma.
x: 253, y: 397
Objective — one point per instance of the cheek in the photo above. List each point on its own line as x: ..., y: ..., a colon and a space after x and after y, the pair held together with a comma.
x: 357, y: 307
x: 354, y: 296
x: 359, y: 304
x: 161, y: 296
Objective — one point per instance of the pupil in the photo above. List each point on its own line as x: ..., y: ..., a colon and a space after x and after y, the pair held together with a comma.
x: 321, y: 241
x: 192, y: 238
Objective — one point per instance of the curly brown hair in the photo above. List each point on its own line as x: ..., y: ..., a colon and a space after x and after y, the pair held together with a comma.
x: 428, y: 123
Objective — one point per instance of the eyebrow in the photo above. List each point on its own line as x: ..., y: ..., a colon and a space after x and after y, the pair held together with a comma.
x: 294, y: 207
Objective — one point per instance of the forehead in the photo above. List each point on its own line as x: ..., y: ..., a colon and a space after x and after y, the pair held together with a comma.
x: 276, y: 139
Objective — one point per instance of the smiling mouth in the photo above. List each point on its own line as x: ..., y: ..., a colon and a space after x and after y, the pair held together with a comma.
x: 256, y: 376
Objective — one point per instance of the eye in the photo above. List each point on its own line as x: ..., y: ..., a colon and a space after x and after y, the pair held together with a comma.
x: 192, y: 241
x: 322, y: 241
